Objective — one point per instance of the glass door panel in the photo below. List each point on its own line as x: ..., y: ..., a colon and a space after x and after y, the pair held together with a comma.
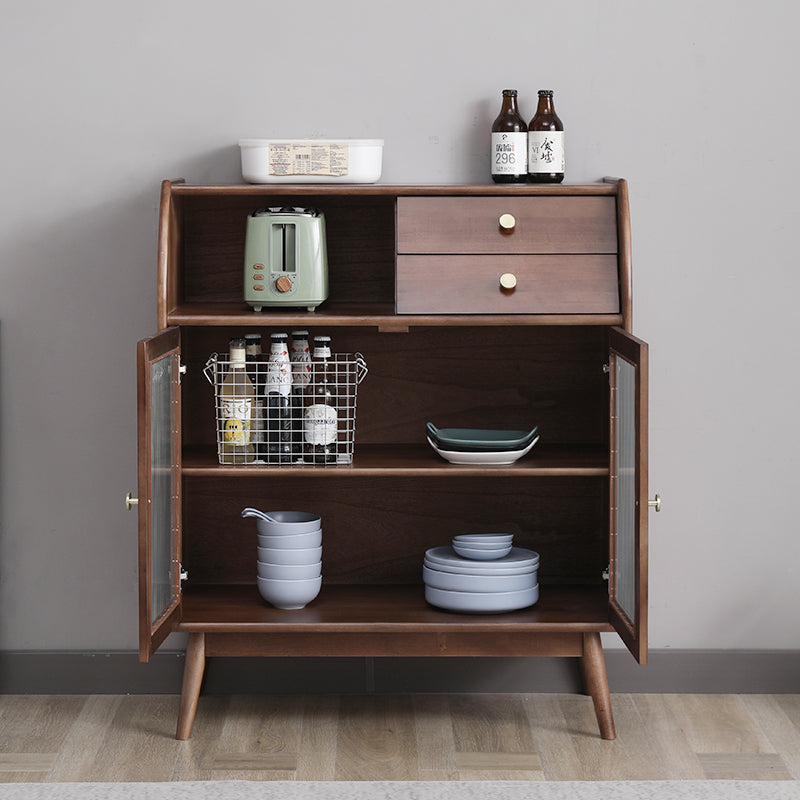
x: 628, y: 470
x: 159, y: 489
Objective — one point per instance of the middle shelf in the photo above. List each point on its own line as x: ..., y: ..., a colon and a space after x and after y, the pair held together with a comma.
x: 372, y: 460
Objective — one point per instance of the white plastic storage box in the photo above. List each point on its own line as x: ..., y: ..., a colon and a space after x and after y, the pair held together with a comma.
x: 311, y: 160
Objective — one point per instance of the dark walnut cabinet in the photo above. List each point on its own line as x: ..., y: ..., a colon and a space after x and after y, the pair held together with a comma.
x: 414, y: 286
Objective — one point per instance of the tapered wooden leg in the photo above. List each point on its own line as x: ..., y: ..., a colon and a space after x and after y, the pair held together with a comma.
x: 593, y: 667
x: 192, y: 679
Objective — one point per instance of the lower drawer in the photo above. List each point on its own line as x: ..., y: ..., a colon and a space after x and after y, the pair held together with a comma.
x: 545, y: 284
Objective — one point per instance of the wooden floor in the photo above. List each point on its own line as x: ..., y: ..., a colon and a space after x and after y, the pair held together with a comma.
x: 399, y: 737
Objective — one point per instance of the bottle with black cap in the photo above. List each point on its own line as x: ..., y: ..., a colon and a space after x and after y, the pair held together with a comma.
x: 320, y: 417
x: 509, y: 142
x: 300, y: 356
x: 278, y: 401
x: 546, y: 142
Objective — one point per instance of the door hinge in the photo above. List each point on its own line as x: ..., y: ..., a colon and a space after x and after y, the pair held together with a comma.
x: 607, y: 573
x: 607, y: 368
x: 181, y: 369
x: 182, y: 573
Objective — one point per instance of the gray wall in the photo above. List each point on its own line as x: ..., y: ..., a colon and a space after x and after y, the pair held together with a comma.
x: 693, y: 102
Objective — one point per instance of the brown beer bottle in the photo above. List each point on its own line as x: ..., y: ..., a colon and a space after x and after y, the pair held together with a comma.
x: 545, y: 142
x: 509, y: 142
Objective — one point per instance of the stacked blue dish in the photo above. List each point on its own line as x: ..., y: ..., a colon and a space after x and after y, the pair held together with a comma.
x: 481, y: 574
x: 479, y: 446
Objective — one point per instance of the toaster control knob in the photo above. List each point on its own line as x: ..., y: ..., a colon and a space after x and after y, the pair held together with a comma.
x: 283, y: 284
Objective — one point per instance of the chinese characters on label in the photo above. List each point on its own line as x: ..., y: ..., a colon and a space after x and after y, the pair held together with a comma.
x: 546, y: 151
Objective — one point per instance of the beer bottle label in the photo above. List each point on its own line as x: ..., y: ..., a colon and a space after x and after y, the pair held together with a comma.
x: 320, y: 424
x: 545, y: 151
x: 509, y: 153
x: 236, y: 415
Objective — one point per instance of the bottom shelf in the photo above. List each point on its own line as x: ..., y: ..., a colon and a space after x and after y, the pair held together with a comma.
x: 396, y: 609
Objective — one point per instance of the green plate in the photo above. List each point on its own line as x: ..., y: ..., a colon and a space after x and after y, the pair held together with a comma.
x: 480, y: 439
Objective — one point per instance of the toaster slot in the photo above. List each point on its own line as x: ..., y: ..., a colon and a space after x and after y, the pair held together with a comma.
x: 284, y: 247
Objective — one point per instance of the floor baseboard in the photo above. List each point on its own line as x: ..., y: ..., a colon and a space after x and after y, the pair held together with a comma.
x: 668, y: 671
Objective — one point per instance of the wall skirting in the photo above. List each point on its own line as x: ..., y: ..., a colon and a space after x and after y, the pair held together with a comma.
x: 669, y: 671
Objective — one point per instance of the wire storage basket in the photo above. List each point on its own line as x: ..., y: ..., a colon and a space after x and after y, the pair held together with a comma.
x: 261, y: 419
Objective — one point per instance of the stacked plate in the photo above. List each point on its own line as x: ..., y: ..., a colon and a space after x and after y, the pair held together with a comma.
x: 289, y: 557
x: 481, y: 574
x: 479, y: 446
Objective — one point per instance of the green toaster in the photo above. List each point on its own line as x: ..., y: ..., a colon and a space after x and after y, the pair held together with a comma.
x: 285, y: 258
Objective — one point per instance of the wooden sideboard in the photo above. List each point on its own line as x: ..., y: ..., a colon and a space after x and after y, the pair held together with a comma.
x: 414, y: 286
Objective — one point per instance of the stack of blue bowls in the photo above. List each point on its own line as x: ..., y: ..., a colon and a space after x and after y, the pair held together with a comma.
x: 289, y: 556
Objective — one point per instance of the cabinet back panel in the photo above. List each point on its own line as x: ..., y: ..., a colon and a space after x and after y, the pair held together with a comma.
x: 454, y: 377
x: 376, y: 530
x: 360, y: 238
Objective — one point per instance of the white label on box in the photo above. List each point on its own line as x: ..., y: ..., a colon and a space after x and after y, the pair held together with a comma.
x: 509, y: 153
x: 545, y: 151
x: 309, y: 159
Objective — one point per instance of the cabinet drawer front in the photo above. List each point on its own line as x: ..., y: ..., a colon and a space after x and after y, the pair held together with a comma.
x: 465, y: 284
x: 549, y: 224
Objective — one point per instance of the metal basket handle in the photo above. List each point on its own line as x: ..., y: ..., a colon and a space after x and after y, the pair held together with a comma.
x: 361, y: 367
x: 210, y: 367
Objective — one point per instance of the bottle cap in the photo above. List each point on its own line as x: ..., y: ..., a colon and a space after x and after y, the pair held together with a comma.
x: 545, y: 92
x: 279, y: 337
x: 300, y: 334
x: 509, y: 92
x: 253, y: 337
x: 323, y: 339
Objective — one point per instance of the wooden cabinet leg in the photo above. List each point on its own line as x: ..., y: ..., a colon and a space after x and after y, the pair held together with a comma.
x: 192, y: 679
x: 593, y: 668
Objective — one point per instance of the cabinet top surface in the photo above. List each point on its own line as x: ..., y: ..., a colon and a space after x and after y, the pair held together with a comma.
x: 610, y: 187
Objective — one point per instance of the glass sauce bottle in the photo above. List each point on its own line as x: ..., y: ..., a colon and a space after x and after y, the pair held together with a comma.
x: 254, y: 359
x: 236, y: 409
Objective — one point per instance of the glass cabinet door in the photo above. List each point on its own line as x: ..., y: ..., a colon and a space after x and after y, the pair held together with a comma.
x: 628, y: 486
x: 159, y: 421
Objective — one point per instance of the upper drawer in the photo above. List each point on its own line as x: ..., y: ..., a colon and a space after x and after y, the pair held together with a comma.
x: 541, y: 224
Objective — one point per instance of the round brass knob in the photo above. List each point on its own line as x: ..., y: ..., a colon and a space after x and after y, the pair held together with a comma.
x: 283, y: 284
x: 508, y: 280
x: 656, y: 504
x: 131, y: 501
x: 507, y: 222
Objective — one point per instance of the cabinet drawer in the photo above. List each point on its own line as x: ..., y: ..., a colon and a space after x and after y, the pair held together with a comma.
x: 468, y: 284
x: 547, y: 224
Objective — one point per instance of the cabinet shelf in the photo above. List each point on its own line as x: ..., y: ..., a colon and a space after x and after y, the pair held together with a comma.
x: 387, y: 609
x: 414, y: 461
x: 375, y: 315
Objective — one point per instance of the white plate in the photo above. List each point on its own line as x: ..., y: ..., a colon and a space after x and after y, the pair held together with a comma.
x: 518, y: 558
x: 498, y: 458
x: 478, y: 583
x: 482, y: 602
x: 478, y: 568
